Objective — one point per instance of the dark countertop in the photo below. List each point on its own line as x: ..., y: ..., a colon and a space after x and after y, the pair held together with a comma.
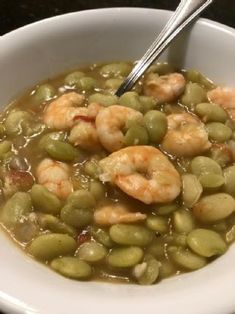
x: 16, y: 13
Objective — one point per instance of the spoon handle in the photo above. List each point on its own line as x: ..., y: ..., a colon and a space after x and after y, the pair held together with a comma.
x: 186, y: 12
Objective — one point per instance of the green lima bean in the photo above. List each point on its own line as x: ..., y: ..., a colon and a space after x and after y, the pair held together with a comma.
x: 92, y: 252
x: 44, y: 93
x: 125, y: 257
x: 48, y: 246
x: 218, y: 132
x: 61, y: 151
x: 44, y: 200
x: 16, y: 208
x: 206, y: 242
x: 72, y: 267
x: 186, y: 258
x: 127, y: 234
x: 193, y: 95
x: 147, y: 272
x: 214, y: 207
x: 156, y: 125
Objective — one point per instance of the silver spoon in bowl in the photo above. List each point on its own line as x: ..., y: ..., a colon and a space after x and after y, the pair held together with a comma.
x: 186, y: 12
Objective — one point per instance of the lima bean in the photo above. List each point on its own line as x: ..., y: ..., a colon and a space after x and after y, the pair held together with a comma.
x: 87, y: 83
x: 193, y: 95
x: 162, y: 68
x: 211, y: 180
x: 44, y: 93
x: 202, y: 164
x: 136, y: 135
x: 16, y: 208
x: 131, y: 100
x: 147, y: 272
x: 14, y: 123
x: 45, y: 201
x: 206, y: 242
x: 52, y: 223
x: 81, y: 199
x: 166, y: 269
x: 102, y: 236
x: 211, y: 112
x: 104, y: 100
x: 156, y: 125
x: 125, y: 257
x: 60, y: 151
x: 5, y: 147
x: 218, y: 132
x: 148, y: 103
x: 192, y: 189
x: 113, y: 83
x: 92, y: 169
x: 97, y: 189
x: 92, y: 252
x: 130, y: 234
x: 48, y: 246
x: 115, y: 69
x: 186, y: 258
x: 56, y: 136
x: 166, y: 209
x: 214, y: 207
x: 73, y: 78
x: 76, y: 217
x: 229, y: 176
x: 157, y: 224
x: 183, y: 221
x: 72, y: 267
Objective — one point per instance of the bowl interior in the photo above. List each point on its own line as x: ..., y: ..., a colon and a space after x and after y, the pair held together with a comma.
x: 47, y: 48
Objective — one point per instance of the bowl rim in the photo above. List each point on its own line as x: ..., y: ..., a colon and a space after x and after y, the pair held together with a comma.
x: 5, y: 300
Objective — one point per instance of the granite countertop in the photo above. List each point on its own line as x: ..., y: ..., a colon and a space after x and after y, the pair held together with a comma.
x: 16, y: 13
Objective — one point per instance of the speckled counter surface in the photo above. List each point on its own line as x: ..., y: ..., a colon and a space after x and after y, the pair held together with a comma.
x: 16, y: 13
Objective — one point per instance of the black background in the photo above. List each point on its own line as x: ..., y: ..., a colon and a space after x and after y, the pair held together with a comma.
x: 16, y: 13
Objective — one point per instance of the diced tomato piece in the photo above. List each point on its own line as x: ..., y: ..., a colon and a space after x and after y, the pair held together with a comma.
x: 84, y: 118
x: 23, y: 179
x: 83, y: 237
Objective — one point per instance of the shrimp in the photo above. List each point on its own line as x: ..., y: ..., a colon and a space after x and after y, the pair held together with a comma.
x: 225, y: 97
x: 93, y: 109
x: 142, y: 172
x: 109, y: 123
x: 186, y: 136
x: 165, y: 88
x: 54, y: 176
x: 84, y: 133
x: 61, y: 112
x: 113, y: 214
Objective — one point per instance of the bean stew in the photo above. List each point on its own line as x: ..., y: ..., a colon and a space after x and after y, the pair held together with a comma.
x: 132, y: 189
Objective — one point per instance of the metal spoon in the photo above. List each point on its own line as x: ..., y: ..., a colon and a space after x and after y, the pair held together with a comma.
x: 186, y: 12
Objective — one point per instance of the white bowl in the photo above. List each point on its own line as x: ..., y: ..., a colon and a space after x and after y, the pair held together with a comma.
x: 49, y: 47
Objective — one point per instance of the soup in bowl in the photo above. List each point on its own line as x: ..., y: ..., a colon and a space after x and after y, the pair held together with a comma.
x: 130, y: 190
